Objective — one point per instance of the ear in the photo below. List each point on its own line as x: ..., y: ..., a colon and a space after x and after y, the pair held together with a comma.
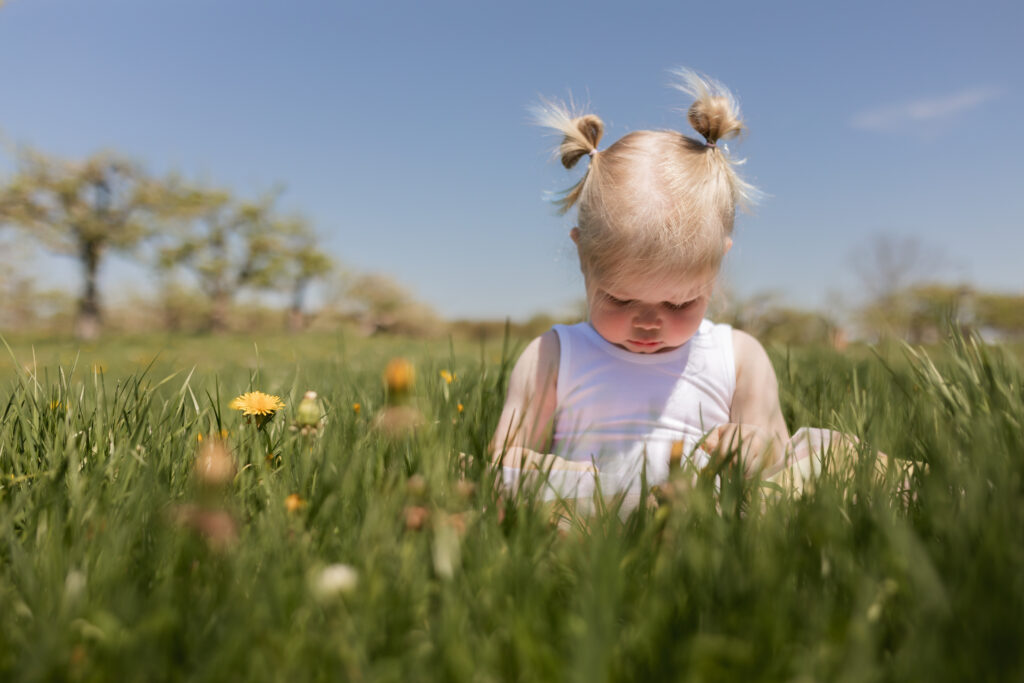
x: 574, y: 235
x: 728, y: 245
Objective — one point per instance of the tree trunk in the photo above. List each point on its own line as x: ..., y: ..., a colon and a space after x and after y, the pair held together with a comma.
x: 88, y: 322
x: 221, y: 302
x: 172, y: 317
x: 296, y: 321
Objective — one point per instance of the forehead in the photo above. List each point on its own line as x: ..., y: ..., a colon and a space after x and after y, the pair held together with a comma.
x: 657, y: 287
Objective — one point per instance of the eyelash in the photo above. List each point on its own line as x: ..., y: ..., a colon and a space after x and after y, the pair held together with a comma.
x: 666, y: 304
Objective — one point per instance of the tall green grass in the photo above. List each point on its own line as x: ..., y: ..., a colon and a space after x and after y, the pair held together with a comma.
x: 913, y: 576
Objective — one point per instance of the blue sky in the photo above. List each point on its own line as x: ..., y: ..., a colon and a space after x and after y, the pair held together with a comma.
x: 402, y: 129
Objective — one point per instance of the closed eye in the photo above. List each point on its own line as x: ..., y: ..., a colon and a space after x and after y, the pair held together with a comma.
x: 679, y: 307
x: 617, y: 301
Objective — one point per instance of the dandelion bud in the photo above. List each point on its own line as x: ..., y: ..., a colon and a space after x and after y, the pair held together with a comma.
x: 416, y: 486
x: 415, y: 517
x: 309, y: 413
x: 398, y: 421
x: 74, y: 586
x: 217, y: 527
x: 465, y: 489
x: 215, y: 466
x: 662, y: 494
x: 332, y: 581
x: 457, y: 522
x: 309, y: 416
x: 447, y: 551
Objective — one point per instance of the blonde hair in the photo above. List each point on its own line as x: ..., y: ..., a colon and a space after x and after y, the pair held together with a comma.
x: 656, y: 202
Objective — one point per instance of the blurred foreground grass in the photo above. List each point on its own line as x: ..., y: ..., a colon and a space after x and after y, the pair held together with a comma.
x: 117, y: 564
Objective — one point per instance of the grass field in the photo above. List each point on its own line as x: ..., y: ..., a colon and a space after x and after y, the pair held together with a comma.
x: 367, y: 553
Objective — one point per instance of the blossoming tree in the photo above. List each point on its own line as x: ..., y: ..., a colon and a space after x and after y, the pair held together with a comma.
x: 82, y: 209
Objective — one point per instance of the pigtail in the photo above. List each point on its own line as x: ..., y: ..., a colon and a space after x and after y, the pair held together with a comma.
x: 580, y: 136
x: 715, y: 115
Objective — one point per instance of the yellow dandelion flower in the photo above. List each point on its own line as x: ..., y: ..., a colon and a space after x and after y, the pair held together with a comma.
x: 399, y: 375
x: 257, y: 404
x: 675, y: 457
x: 294, y: 503
x: 460, y: 407
x: 199, y: 438
x: 448, y: 377
x: 356, y: 408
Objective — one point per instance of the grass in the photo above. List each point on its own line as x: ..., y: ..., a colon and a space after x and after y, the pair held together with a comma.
x: 105, y: 576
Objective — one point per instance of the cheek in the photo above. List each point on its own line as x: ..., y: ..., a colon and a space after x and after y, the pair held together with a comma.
x: 607, y: 316
x: 610, y: 318
x: 687, y: 322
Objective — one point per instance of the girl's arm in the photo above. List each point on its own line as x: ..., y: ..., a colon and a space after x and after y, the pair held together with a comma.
x: 755, y: 414
x: 757, y: 418
x: 523, y: 435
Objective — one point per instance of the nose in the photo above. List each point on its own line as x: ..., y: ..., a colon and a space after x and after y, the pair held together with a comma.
x: 647, y: 319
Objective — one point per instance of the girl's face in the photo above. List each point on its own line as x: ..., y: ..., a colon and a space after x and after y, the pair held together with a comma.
x: 649, y: 315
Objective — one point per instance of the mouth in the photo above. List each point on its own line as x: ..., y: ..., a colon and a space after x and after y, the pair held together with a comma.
x: 644, y: 344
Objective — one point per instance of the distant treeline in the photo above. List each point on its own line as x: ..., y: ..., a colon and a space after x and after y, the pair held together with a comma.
x: 217, y: 256
x: 226, y: 244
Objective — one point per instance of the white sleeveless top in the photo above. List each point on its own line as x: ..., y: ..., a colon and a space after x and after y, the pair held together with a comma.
x: 625, y: 410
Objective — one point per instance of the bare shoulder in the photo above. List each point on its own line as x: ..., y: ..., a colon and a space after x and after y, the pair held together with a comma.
x: 750, y: 356
x: 756, y: 399
x: 528, y: 414
x: 538, y: 363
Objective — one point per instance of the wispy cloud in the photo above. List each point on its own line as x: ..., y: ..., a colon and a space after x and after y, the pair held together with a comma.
x: 925, y: 110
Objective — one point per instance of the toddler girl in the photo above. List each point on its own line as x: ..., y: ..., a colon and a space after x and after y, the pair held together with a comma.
x: 647, y: 377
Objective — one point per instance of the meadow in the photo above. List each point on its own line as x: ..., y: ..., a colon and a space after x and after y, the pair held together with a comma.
x: 149, y: 532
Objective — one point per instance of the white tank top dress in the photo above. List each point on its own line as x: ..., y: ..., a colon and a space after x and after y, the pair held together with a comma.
x: 624, y: 411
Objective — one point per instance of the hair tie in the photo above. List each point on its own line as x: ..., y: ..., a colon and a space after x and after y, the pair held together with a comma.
x: 593, y: 152
x: 710, y: 144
